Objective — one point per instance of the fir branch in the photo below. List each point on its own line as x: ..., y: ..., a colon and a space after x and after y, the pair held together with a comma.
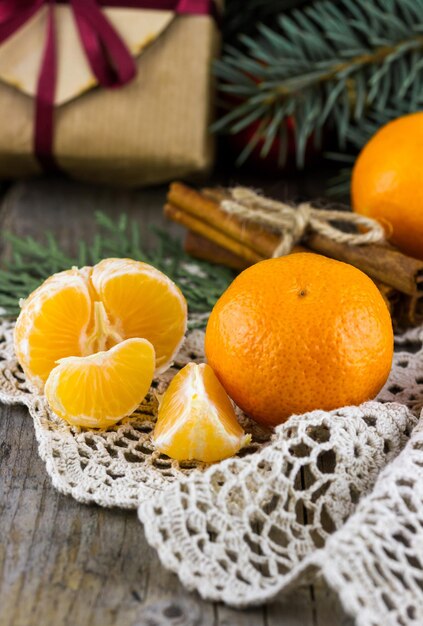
x: 242, y: 16
x: 337, y: 64
x: 30, y: 262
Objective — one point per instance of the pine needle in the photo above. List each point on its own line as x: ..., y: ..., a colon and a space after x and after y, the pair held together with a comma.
x: 338, y: 65
x: 30, y: 262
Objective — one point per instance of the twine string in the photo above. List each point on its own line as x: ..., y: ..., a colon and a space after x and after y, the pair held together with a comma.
x: 294, y: 222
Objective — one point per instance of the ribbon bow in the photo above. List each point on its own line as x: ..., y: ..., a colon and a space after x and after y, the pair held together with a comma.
x: 110, y: 60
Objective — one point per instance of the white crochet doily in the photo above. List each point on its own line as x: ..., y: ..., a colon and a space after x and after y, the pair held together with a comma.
x: 114, y: 467
x: 242, y: 530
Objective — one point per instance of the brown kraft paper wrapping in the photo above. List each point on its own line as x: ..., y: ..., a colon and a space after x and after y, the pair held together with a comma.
x: 148, y: 131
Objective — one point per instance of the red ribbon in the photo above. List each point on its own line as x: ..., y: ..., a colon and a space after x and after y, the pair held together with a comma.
x: 109, y: 58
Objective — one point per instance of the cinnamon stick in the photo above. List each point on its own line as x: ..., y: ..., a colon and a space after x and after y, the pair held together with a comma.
x: 381, y: 263
x: 201, y: 228
x: 201, y: 248
x: 384, y: 264
x: 405, y: 310
x: 208, y: 211
x: 205, y: 249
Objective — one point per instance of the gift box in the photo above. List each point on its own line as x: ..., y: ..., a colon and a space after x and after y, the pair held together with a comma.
x: 116, y: 92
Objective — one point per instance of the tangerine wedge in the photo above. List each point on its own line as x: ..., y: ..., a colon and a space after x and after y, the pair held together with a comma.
x: 53, y: 324
x: 79, y: 312
x: 196, y: 419
x: 97, y: 391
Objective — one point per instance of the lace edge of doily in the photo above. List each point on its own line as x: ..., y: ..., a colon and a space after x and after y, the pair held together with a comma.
x: 312, y: 568
x: 144, y: 491
x: 304, y: 573
x: 353, y: 595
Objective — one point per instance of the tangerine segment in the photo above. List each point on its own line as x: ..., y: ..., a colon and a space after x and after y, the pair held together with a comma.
x: 196, y: 418
x: 97, y: 391
x: 142, y: 302
x: 52, y: 324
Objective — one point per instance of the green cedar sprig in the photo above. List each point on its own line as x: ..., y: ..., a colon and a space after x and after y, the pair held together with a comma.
x: 31, y: 261
x: 326, y: 64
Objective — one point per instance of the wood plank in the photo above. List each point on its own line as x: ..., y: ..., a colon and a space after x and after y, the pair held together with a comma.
x: 68, y: 209
x: 66, y: 563
x: 225, y: 616
x: 62, y: 562
x: 327, y: 608
x: 296, y: 607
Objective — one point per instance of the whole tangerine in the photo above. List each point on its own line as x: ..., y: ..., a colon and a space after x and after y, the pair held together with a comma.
x: 387, y: 182
x: 299, y: 333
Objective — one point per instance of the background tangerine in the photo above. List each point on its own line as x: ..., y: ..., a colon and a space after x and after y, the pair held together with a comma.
x: 387, y: 182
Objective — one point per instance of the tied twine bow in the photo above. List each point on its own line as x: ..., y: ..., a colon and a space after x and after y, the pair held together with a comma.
x: 110, y: 60
x: 292, y: 222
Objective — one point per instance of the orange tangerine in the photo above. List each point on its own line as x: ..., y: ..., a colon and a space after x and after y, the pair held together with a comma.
x: 97, y: 391
x: 80, y: 312
x: 299, y: 333
x: 386, y: 182
x: 196, y: 418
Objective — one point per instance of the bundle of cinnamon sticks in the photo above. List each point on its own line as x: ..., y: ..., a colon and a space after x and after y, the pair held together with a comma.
x: 215, y: 236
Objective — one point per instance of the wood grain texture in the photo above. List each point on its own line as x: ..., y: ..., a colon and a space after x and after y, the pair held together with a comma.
x: 63, y: 563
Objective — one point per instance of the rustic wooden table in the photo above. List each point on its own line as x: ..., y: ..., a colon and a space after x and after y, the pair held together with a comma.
x: 63, y: 563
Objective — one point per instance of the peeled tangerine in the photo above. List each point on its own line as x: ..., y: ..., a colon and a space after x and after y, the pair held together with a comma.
x: 196, y: 418
x: 96, y: 391
x: 90, y: 313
